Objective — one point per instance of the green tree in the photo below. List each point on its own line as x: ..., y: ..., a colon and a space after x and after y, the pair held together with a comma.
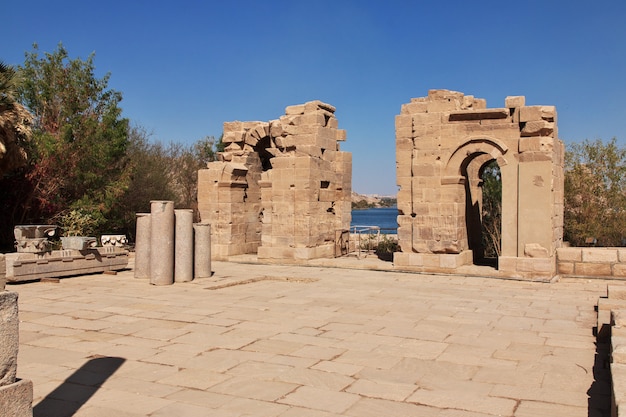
x: 159, y: 172
x: 491, y: 214
x: 77, y: 153
x: 14, y: 136
x: 361, y: 205
x: 184, y: 163
x: 14, y: 122
x: 147, y: 164
x: 595, y: 193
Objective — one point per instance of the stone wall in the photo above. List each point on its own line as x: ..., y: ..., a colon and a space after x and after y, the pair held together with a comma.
x: 281, y: 188
x: 443, y: 142
x: 611, y: 327
x: 592, y: 262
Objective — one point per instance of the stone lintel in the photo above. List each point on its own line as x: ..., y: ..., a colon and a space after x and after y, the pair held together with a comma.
x: 481, y: 114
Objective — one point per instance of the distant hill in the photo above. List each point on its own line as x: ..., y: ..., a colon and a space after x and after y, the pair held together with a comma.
x: 363, y: 201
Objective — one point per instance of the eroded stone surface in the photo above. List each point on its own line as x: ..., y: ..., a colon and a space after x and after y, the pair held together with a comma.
x: 9, y: 337
x: 281, y: 188
x: 443, y: 143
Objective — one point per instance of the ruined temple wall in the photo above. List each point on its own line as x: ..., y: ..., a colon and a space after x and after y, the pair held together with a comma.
x: 541, y: 178
x: 558, y: 189
x: 308, y: 188
x: 281, y: 187
x: 342, y: 202
x: 447, y: 136
x: 430, y: 135
x: 229, y: 198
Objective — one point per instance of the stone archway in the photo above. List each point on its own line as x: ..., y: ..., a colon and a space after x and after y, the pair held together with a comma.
x: 442, y: 143
x: 281, y: 189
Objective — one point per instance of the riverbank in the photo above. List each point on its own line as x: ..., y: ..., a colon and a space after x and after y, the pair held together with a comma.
x: 365, y: 201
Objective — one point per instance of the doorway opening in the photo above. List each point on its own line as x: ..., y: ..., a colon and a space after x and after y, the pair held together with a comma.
x: 491, y: 213
x: 483, y: 208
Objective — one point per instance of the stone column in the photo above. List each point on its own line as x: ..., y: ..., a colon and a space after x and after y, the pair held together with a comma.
x: 9, y: 331
x: 3, y: 272
x: 161, y: 242
x: 202, y: 256
x: 183, y: 252
x: 16, y: 395
x: 142, y: 246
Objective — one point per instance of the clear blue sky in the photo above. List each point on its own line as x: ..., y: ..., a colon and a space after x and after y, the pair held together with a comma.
x: 186, y: 67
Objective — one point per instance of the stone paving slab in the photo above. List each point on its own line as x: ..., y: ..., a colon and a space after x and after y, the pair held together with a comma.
x: 272, y: 340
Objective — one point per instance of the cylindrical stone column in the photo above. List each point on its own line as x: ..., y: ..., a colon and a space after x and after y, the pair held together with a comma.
x: 142, y: 246
x: 161, y: 242
x: 9, y: 340
x: 202, y: 250
x: 183, y: 246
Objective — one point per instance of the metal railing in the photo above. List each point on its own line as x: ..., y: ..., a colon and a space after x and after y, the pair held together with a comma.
x: 366, y: 239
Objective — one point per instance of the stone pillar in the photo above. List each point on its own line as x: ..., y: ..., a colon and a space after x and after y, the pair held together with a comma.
x: 142, y: 246
x: 183, y: 252
x: 161, y: 242
x: 3, y: 270
x: 9, y: 342
x: 16, y: 396
x: 202, y: 256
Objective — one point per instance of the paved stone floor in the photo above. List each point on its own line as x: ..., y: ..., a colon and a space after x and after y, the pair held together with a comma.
x: 260, y: 340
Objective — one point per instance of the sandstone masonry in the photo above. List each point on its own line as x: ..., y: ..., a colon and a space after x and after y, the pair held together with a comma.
x: 280, y: 188
x: 443, y: 142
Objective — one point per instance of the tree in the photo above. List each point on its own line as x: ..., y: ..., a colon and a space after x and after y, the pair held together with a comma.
x: 14, y: 122
x: 147, y: 164
x: 81, y: 137
x: 595, y: 193
x: 15, y: 133
x: 76, y: 158
x: 185, y: 161
x: 160, y: 172
x: 492, y: 210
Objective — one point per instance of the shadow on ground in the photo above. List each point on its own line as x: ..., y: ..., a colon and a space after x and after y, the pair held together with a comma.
x: 78, y: 388
x: 600, y: 391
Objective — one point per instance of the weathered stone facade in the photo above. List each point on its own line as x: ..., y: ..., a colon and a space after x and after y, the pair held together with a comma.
x: 443, y: 142
x: 280, y: 188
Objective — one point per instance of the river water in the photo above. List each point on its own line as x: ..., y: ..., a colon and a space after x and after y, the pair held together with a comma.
x: 386, y: 218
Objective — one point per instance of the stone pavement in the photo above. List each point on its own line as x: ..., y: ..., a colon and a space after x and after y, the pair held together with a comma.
x: 271, y: 340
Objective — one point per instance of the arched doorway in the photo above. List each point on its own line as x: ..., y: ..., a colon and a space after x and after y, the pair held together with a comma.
x: 483, y: 209
x: 482, y: 176
x: 446, y: 146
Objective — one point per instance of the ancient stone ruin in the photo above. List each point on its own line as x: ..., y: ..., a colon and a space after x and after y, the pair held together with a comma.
x: 281, y: 188
x: 443, y: 143
x: 169, y: 247
x: 36, y: 258
x: 16, y: 395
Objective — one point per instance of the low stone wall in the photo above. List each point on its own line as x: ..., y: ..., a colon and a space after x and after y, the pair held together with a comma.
x: 612, y: 324
x: 592, y: 262
x: 61, y: 263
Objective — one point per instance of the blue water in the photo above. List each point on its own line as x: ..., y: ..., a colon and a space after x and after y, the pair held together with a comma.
x: 386, y: 218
